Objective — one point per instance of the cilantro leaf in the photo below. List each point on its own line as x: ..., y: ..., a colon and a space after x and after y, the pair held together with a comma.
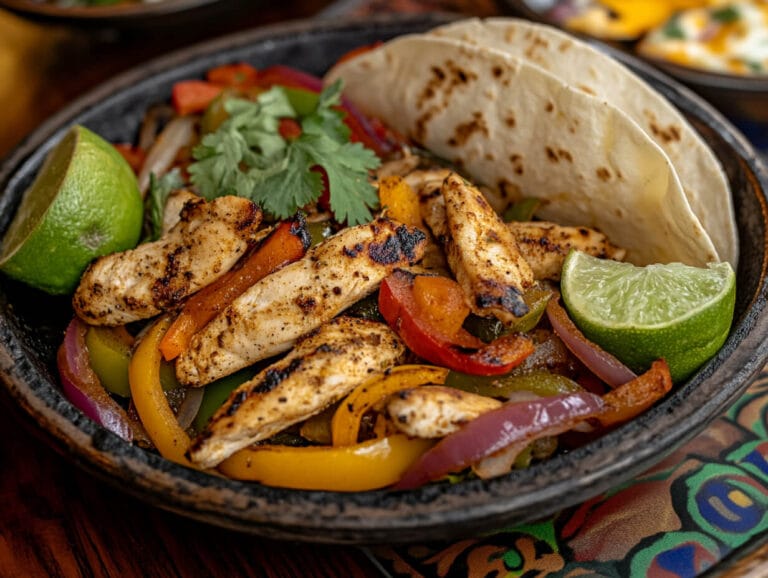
x: 159, y: 191
x: 249, y: 137
x: 347, y: 167
x: 247, y: 156
x: 326, y: 119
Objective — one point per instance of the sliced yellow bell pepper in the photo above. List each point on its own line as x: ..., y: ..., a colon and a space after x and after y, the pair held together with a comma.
x: 151, y: 404
x: 367, y: 466
x: 345, y: 425
x: 400, y: 201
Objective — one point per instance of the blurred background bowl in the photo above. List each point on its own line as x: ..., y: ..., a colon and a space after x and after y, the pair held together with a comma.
x: 742, y: 98
x: 168, y: 12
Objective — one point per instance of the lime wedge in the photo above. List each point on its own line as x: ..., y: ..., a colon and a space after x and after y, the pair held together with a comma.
x: 83, y: 203
x: 672, y: 311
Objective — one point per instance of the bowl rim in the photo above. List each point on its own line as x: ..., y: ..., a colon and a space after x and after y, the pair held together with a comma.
x: 379, y: 516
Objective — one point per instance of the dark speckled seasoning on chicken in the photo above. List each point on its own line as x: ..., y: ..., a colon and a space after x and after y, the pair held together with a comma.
x: 319, y: 371
x: 209, y: 238
x: 268, y: 318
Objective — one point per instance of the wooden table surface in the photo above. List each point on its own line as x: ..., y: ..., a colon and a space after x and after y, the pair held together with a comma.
x: 56, y: 520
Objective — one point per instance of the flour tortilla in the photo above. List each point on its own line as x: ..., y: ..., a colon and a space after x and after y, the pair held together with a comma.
x: 513, y: 126
x: 596, y: 73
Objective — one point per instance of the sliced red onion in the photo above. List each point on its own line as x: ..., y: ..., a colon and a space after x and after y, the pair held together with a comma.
x: 83, y: 388
x: 491, y: 432
x: 155, y: 116
x: 190, y: 406
x: 597, y: 360
x: 161, y: 156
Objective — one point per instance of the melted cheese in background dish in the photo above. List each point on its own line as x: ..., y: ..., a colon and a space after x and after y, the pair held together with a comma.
x: 716, y: 35
x: 730, y: 38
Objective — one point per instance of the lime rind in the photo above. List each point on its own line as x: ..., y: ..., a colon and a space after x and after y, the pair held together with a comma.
x: 639, y: 314
x: 84, y: 203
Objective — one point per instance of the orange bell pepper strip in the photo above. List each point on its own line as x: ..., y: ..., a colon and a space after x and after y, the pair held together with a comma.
x: 288, y: 242
x: 634, y: 397
x: 147, y: 394
x: 345, y: 425
x: 400, y: 201
x: 193, y: 96
x: 424, y: 332
x: 367, y: 466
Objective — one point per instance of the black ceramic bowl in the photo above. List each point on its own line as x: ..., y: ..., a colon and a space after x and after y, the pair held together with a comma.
x: 31, y: 327
x: 741, y: 97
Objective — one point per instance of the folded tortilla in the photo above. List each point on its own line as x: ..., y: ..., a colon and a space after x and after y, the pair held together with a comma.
x: 596, y: 73
x: 515, y: 127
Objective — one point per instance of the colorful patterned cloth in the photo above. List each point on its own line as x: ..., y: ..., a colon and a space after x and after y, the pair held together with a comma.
x: 679, y: 519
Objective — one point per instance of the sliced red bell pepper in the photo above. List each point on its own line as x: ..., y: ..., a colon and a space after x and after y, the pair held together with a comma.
x: 289, y: 128
x: 193, y: 96
x: 133, y: 155
x: 287, y: 243
x: 460, y: 351
x: 235, y: 75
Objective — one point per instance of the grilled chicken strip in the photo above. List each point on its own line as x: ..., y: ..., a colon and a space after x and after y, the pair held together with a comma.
x: 545, y: 245
x: 434, y: 411
x: 481, y: 250
x: 174, y: 206
x: 270, y: 316
x: 140, y: 283
x: 321, y: 369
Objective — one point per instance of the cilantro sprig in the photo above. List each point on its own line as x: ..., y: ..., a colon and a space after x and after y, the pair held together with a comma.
x: 247, y: 156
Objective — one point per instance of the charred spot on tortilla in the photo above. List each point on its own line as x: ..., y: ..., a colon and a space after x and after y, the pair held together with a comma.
x: 458, y: 76
x: 464, y: 131
x: 603, y: 174
x: 497, y: 71
x: 510, y: 121
x: 420, y: 126
x: 516, y: 160
x: 667, y: 134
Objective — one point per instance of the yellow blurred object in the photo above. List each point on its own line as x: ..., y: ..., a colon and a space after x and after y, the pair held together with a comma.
x: 622, y: 20
x: 27, y: 51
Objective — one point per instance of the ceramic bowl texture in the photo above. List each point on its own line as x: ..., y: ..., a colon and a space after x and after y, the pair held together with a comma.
x: 32, y: 324
x: 740, y: 97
